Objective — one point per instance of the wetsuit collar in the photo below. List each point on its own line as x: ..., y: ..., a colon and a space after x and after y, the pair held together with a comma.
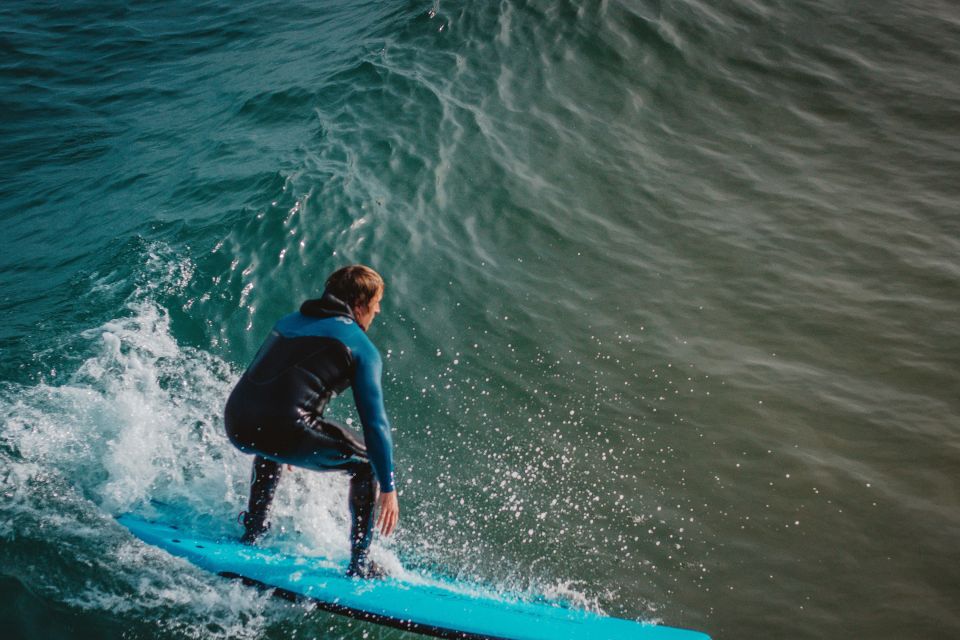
x: 327, y: 306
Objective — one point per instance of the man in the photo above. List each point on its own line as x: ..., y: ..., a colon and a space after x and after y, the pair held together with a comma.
x: 276, y: 410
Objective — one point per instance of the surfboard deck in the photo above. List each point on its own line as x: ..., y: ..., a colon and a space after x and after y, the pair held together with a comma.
x: 433, y: 606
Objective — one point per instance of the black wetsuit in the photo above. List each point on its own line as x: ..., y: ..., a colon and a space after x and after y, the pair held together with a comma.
x: 276, y: 413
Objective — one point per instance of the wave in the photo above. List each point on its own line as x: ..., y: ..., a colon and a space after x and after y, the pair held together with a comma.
x: 134, y: 423
x: 138, y: 421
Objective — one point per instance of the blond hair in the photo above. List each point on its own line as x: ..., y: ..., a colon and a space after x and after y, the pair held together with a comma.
x: 356, y: 284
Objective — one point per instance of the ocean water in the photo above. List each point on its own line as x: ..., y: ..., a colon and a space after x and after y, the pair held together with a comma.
x: 671, y: 322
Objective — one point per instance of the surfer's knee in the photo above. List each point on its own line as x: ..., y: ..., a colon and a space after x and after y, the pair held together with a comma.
x: 363, y: 487
x: 362, y: 477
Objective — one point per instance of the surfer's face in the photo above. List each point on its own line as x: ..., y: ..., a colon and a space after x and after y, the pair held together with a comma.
x: 368, y: 312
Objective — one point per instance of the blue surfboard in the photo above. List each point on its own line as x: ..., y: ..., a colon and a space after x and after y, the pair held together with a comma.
x: 432, y: 606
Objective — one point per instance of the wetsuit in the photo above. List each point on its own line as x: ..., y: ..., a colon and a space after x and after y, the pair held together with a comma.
x: 276, y: 413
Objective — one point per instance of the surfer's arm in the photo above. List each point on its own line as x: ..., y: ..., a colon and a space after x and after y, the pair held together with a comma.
x: 368, y: 395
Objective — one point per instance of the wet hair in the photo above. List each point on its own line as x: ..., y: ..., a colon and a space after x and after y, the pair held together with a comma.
x: 357, y: 285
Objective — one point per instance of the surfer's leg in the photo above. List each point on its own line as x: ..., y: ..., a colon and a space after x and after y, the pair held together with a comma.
x: 324, y: 445
x: 347, y: 453
x: 363, y: 497
x: 263, y: 484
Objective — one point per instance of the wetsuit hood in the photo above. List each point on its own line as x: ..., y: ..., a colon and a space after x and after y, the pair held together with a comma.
x: 326, y: 306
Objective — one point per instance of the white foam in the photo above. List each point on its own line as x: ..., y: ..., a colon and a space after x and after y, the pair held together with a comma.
x: 139, y: 420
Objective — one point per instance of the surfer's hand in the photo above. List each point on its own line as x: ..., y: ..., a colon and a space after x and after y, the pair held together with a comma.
x: 389, y: 512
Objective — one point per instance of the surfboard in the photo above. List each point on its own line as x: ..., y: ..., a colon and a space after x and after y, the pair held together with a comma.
x: 430, y: 605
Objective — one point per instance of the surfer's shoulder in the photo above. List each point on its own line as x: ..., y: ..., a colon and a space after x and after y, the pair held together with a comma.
x: 363, y: 347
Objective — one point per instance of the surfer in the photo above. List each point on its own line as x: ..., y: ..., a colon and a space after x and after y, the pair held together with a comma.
x: 276, y: 410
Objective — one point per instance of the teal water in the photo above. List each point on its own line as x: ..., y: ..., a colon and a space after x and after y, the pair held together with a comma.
x: 671, y: 314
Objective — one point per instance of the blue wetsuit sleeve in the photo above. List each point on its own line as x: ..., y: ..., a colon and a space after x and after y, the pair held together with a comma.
x: 368, y: 395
